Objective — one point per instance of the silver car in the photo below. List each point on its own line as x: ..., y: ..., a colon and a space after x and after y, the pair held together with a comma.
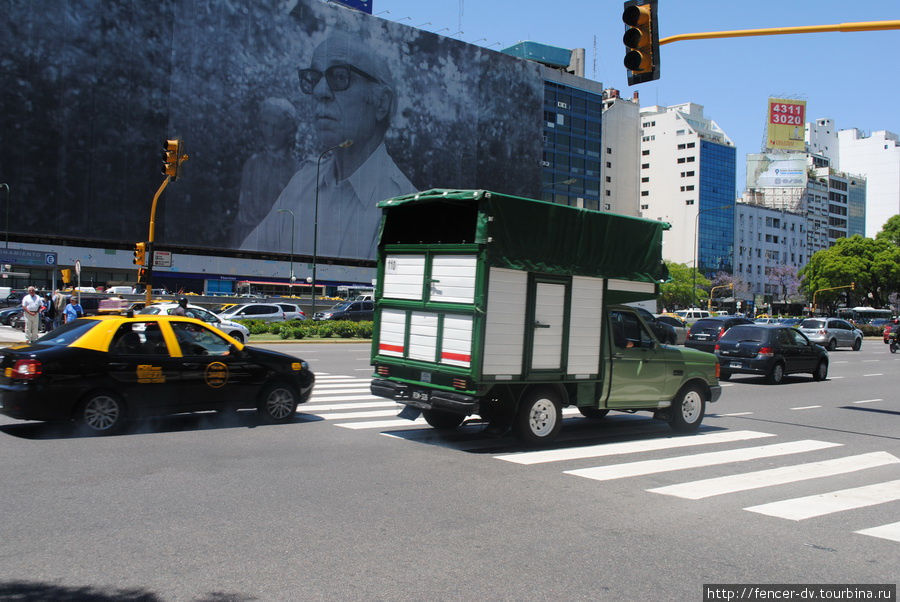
x: 267, y: 312
x: 832, y: 333
x: 236, y: 331
x: 292, y: 311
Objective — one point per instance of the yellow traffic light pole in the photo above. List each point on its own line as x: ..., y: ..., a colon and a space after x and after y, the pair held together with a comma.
x: 172, y: 160
x: 851, y: 286
x: 709, y: 301
x: 774, y: 31
x: 149, y: 285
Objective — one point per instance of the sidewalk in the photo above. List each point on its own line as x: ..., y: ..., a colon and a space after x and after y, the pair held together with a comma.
x: 10, y: 336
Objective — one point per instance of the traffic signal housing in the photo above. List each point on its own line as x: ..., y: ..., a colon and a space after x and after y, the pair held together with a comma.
x: 852, y: 286
x: 172, y: 158
x: 66, y: 276
x: 140, y: 253
x: 145, y: 275
x: 641, y: 41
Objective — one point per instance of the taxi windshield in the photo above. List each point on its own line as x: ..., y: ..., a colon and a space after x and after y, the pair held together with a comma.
x: 67, y: 333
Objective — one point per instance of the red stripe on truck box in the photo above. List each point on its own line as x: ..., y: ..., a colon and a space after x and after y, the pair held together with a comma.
x: 459, y: 357
x: 394, y: 348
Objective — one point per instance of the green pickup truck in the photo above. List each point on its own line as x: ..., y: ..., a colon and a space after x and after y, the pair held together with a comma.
x: 512, y: 309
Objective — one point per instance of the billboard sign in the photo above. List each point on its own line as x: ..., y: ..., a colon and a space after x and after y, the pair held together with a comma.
x: 776, y: 170
x: 361, y: 5
x: 264, y: 95
x: 786, y: 125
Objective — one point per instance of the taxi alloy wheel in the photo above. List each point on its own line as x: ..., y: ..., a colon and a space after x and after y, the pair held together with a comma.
x: 102, y: 413
x: 278, y: 403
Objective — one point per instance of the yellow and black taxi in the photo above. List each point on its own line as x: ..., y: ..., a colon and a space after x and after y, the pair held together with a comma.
x: 103, y: 371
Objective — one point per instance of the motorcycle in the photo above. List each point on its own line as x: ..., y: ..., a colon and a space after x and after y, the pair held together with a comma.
x: 893, y: 339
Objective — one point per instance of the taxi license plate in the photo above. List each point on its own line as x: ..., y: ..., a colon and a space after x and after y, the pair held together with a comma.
x: 735, y: 365
x: 419, y: 395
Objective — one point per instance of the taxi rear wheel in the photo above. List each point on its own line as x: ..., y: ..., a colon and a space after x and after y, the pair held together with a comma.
x: 277, y: 403
x: 101, y: 413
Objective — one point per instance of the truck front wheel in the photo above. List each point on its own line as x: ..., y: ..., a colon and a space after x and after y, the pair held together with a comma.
x: 444, y: 421
x: 688, y: 409
x: 539, y: 417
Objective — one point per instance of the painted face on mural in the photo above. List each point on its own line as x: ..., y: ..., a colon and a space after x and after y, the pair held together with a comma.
x: 351, y: 95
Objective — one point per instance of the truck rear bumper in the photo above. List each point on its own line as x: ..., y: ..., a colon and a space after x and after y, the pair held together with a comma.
x: 425, y: 399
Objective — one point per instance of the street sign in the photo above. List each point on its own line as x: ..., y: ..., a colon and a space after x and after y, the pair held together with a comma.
x: 27, y: 257
x: 78, y: 267
x: 162, y: 259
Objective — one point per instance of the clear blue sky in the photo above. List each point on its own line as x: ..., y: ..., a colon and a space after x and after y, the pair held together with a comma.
x: 849, y: 77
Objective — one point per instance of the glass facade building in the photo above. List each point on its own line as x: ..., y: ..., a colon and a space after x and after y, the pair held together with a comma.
x: 716, y: 208
x: 571, y: 164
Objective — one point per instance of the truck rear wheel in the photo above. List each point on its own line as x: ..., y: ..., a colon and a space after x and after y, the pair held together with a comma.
x: 688, y: 409
x: 539, y: 416
x: 444, y: 421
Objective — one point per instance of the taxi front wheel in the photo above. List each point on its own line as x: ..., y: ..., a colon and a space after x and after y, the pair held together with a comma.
x: 101, y: 413
x: 277, y: 403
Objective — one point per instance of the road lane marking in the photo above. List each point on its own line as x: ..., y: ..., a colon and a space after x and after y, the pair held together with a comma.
x: 806, y: 407
x: 890, y: 531
x: 867, y: 400
x: 835, y: 501
x: 363, y: 370
x: 737, y: 414
x: 697, y: 490
x: 835, y: 377
x: 726, y: 384
x: 628, y: 447
x: 345, y: 397
x: 645, y: 467
x: 345, y: 382
x: 378, y: 424
x: 309, y: 408
x: 365, y: 414
x: 866, y: 361
x: 876, y: 374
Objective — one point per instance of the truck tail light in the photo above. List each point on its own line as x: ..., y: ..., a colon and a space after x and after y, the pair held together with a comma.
x: 26, y: 369
x: 383, y: 370
x: 718, y: 368
x: 765, y: 352
x: 460, y: 383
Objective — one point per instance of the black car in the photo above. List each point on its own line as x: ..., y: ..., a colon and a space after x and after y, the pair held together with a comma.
x: 7, y: 314
x: 706, y: 331
x: 665, y: 333
x: 772, y: 350
x: 102, y: 371
x: 348, y: 310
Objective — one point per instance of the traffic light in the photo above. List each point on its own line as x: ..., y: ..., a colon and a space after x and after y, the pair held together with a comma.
x: 144, y: 275
x: 140, y: 253
x: 852, y: 286
x: 172, y: 158
x: 641, y: 41
x: 66, y: 276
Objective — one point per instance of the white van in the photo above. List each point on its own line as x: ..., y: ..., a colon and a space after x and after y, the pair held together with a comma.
x: 120, y: 290
x: 692, y: 315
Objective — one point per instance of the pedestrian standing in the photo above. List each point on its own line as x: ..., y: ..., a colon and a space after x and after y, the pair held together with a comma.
x: 32, y: 304
x: 58, y: 302
x: 73, y: 310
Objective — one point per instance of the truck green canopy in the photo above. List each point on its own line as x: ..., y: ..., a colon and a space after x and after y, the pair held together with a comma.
x: 530, y: 235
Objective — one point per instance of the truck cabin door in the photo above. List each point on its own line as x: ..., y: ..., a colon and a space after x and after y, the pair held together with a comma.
x: 638, y: 365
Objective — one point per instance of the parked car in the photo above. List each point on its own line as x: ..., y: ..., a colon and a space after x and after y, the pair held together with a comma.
x: 100, y: 372
x: 832, y: 333
x: 766, y: 320
x: 268, y: 312
x: 14, y: 298
x: 348, y: 310
x: 771, y: 350
x: 664, y: 332
x: 792, y: 322
x: 678, y: 325
x: 292, y: 311
x: 7, y: 314
x: 236, y: 331
x: 704, y: 333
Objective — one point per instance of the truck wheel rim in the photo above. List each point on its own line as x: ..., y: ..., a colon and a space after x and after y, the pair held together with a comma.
x: 542, y: 417
x: 279, y: 403
x: 101, y: 413
x: 690, y: 407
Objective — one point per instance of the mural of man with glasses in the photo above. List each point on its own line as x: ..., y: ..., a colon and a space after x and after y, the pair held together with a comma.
x: 352, y: 99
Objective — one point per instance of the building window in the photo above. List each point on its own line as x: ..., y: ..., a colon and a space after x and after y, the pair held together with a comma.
x: 608, y: 164
x: 607, y: 206
x: 645, y: 179
x: 645, y: 193
x: 645, y: 166
x: 690, y: 202
x: 690, y: 145
x: 645, y: 152
x: 608, y: 179
x: 645, y: 207
x: 607, y: 193
x: 690, y: 159
x: 608, y: 151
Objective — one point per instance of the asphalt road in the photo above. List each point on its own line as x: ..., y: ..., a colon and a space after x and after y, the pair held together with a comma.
x: 351, y: 503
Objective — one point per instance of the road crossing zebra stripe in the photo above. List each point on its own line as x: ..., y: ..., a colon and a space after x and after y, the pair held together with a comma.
x: 345, y: 397
x: 645, y: 467
x: 309, y: 408
x: 629, y: 447
x: 364, y: 414
x: 379, y: 424
x: 867, y: 400
x: 343, y: 383
x: 890, y: 531
x: 697, y: 490
x: 357, y: 390
x: 835, y: 501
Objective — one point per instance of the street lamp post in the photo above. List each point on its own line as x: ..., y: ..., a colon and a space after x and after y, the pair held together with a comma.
x: 291, y: 279
x: 344, y: 144
x: 697, y: 247
x: 6, y: 186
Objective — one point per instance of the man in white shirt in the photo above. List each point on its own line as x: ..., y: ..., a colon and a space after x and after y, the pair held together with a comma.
x: 353, y: 100
x: 32, y: 303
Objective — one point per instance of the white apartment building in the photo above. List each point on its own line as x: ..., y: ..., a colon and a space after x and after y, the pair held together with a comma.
x: 687, y: 178
x: 766, y: 238
x: 875, y: 157
x: 621, y: 149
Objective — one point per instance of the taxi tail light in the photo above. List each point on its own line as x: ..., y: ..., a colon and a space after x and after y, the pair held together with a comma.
x: 765, y: 352
x: 26, y: 369
x: 383, y: 371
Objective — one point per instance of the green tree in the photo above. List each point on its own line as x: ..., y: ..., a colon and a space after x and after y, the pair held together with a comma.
x: 679, y: 291
x: 873, y: 265
x: 891, y: 231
